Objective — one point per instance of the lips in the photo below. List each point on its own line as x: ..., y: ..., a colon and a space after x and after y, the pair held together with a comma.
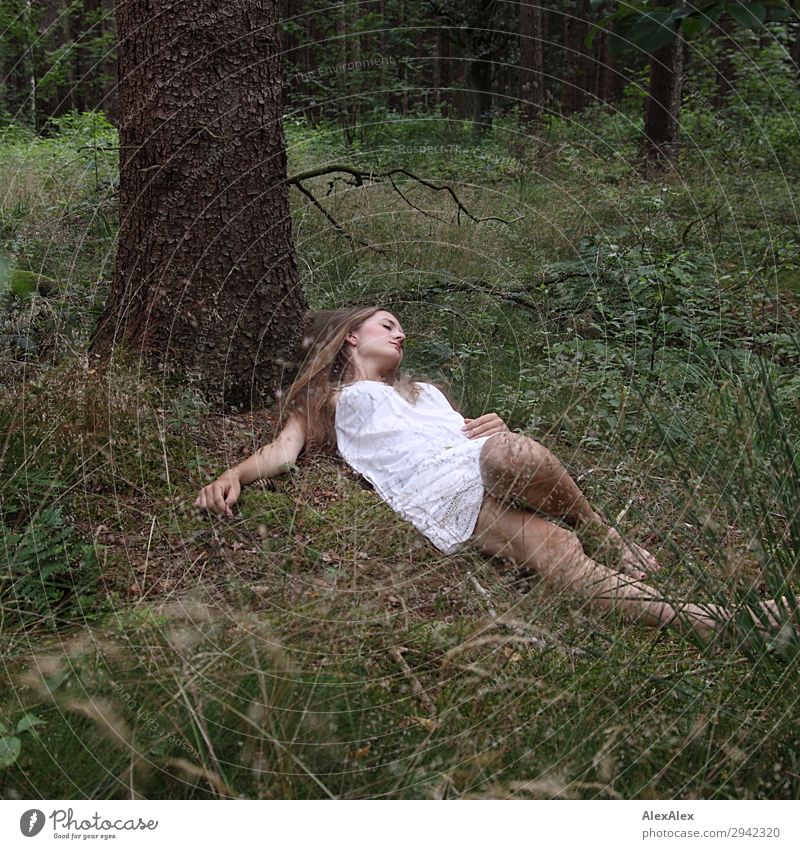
x: 398, y: 346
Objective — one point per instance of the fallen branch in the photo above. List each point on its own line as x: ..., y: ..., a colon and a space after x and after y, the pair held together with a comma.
x: 416, y: 688
x: 484, y: 593
x: 470, y: 286
x: 519, y: 630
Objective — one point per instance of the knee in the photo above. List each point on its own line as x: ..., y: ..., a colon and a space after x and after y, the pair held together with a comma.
x: 508, y: 457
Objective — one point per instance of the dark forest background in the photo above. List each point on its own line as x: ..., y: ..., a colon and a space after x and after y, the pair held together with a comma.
x: 464, y: 60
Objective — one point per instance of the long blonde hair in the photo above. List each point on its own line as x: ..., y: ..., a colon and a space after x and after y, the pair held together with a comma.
x: 326, y: 366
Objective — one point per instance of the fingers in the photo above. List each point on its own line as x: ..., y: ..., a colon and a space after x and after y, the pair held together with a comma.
x: 212, y: 498
x: 474, y: 427
x: 230, y: 500
x: 485, y: 425
x: 486, y: 430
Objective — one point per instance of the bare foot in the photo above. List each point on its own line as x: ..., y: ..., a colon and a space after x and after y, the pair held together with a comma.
x: 627, y: 557
x: 779, y: 614
x: 769, y: 619
x: 636, y: 557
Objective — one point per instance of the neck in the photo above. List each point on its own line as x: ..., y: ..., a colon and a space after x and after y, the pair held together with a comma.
x: 362, y: 373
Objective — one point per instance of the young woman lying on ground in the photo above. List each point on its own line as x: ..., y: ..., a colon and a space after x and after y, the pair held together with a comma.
x: 458, y: 481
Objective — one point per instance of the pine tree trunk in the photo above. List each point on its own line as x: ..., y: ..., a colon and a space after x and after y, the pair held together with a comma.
x: 725, y: 72
x: 75, y: 91
x: 105, y: 73
x: 479, y: 69
x: 584, y: 59
x: 422, y: 81
x: 315, y: 37
x: 205, y: 281
x: 610, y: 82
x: 573, y: 88
x: 531, y: 60
x: 480, y: 85
x: 794, y: 51
x: 446, y: 70
x: 662, y: 106
x: 30, y: 66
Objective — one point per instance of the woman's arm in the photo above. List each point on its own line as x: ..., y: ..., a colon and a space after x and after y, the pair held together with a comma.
x: 271, y: 460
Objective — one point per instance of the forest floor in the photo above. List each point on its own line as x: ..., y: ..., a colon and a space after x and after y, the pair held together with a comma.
x: 315, y: 645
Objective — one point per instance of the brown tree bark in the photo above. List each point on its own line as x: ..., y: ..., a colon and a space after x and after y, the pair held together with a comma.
x: 75, y: 92
x: 479, y: 68
x: 725, y: 71
x: 574, y: 73
x: 662, y: 107
x: 110, y: 95
x: 795, y: 51
x: 29, y: 63
x: 205, y: 281
x: 609, y: 83
x: 348, y: 78
x: 445, y: 64
x: 531, y: 61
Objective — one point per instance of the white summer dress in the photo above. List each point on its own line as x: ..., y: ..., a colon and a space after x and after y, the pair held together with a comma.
x: 415, y: 455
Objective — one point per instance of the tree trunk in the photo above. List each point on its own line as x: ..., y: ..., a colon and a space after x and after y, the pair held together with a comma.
x: 585, y: 61
x: 315, y: 38
x: 422, y: 51
x: 610, y: 82
x: 480, y: 86
x: 205, y: 281
x: 479, y: 69
x: 531, y: 61
x: 662, y: 107
x: 110, y: 94
x: 794, y: 50
x: 725, y: 71
x: 574, y: 74
x: 75, y: 91
x: 30, y: 65
x: 445, y: 70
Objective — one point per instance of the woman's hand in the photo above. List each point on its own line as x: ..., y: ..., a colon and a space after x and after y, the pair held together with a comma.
x: 218, y: 497
x: 485, y: 425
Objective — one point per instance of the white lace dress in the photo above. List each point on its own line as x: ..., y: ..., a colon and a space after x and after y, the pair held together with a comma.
x: 416, y: 456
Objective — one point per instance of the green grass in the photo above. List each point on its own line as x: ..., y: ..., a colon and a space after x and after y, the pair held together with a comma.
x: 269, y: 656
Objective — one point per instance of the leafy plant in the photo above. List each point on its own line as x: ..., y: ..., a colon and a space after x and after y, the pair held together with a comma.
x: 50, y: 573
x: 11, y: 742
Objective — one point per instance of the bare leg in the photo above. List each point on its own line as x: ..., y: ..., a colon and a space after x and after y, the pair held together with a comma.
x: 515, y: 466
x: 556, y: 555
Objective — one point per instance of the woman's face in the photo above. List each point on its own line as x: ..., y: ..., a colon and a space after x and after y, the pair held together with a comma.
x: 379, y: 340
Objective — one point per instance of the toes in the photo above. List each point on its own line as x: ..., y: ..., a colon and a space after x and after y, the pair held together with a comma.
x: 642, y: 558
